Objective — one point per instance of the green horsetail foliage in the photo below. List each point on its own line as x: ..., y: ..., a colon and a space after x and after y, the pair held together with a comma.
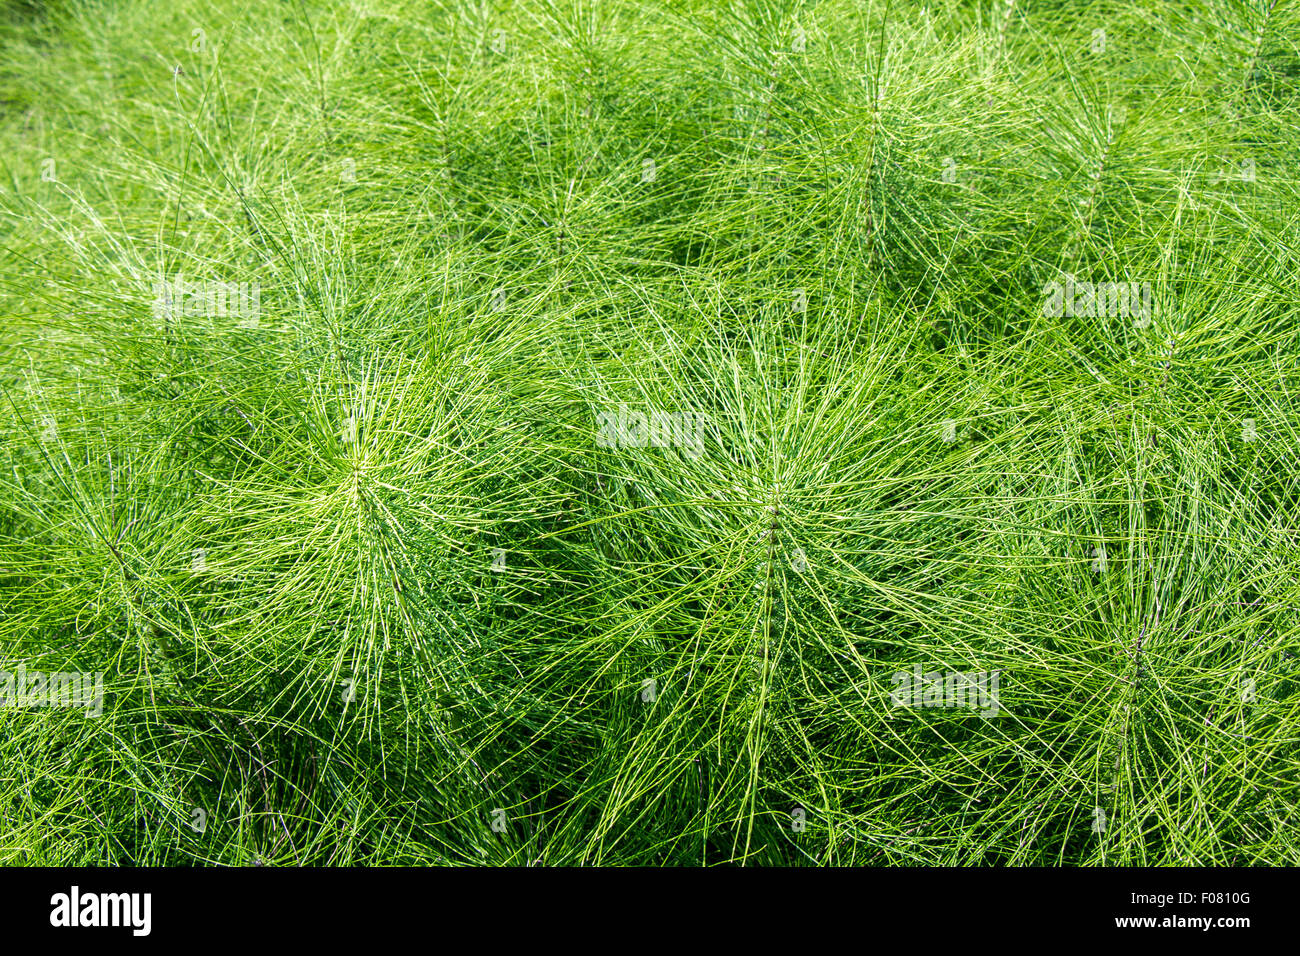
x: 654, y: 432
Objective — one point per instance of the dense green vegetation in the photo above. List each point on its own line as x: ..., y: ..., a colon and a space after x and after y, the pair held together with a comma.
x: 380, y: 566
